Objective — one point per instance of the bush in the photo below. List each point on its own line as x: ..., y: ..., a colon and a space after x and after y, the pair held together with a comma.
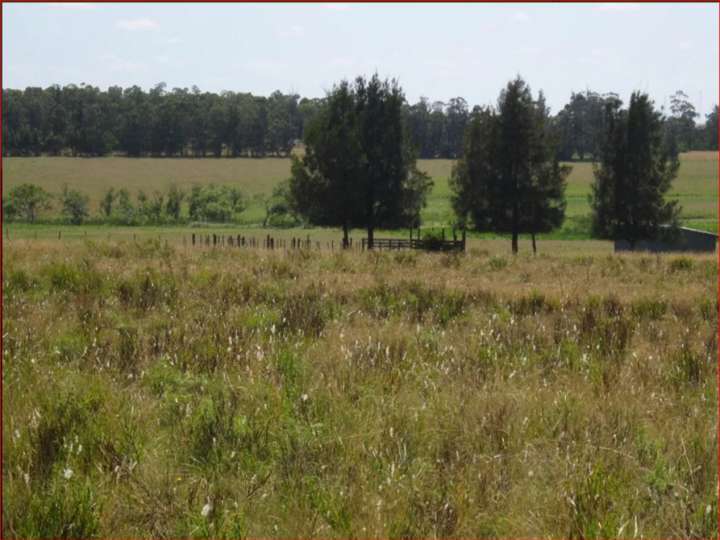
x: 74, y: 206
x: 215, y: 203
x: 27, y: 201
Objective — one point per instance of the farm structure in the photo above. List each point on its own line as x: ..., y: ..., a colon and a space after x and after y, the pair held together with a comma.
x: 686, y: 240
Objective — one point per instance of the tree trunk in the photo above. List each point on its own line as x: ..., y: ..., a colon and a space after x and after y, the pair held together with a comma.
x: 515, y: 229
x: 370, y: 215
x: 534, y: 224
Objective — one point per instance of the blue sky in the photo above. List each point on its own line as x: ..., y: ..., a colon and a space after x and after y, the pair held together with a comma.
x: 435, y: 50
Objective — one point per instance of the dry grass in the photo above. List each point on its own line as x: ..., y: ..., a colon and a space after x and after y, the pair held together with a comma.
x: 219, y: 393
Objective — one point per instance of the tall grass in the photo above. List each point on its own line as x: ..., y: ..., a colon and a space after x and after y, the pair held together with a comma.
x: 230, y: 393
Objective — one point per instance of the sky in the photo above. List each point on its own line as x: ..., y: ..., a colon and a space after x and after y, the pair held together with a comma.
x: 435, y: 50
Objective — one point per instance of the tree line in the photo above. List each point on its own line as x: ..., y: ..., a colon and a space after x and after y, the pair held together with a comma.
x: 359, y: 167
x: 86, y: 121
x: 359, y: 171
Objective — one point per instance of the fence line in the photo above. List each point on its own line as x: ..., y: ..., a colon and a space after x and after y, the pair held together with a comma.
x: 270, y: 242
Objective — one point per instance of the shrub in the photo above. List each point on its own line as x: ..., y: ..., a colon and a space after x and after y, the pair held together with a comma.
x: 27, y: 201
x: 215, y: 203
x: 74, y: 205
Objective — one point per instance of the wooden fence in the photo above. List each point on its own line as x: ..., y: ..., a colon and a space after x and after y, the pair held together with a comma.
x: 270, y: 242
x: 265, y: 242
x: 415, y: 243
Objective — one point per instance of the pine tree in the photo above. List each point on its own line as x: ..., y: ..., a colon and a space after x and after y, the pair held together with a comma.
x: 635, y: 172
x: 359, y: 167
x: 509, y: 180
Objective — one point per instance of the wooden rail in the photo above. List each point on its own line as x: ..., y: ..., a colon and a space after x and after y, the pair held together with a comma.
x: 415, y: 243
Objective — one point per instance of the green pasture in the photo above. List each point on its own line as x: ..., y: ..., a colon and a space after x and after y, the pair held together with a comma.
x: 696, y: 186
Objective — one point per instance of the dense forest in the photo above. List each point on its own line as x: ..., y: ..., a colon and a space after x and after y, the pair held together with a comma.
x: 87, y: 121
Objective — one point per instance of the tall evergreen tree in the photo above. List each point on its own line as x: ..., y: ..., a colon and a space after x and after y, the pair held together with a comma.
x: 359, y: 167
x: 545, y: 206
x: 508, y: 179
x: 635, y: 172
x: 326, y: 184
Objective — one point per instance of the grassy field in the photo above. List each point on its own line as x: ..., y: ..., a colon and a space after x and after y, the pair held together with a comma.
x: 154, y: 390
x: 696, y: 187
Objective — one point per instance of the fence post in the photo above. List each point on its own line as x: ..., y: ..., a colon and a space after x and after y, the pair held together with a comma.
x: 58, y: 235
x: 463, y: 239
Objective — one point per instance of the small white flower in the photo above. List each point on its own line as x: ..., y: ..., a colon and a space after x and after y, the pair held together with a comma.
x: 708, y: 509
x: 206, y: 510
x: 304, y: 397
x: 67, y: 473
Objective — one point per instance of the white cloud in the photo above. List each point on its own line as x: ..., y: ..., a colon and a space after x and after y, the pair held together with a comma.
x: 73, y: 5
x: 521, y: 16
x: 612, y: 6
x: 137, y: 24
x: 337, y: 7
x: 162, y: 59
x: 173, y: 41
x: 685, y: 45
